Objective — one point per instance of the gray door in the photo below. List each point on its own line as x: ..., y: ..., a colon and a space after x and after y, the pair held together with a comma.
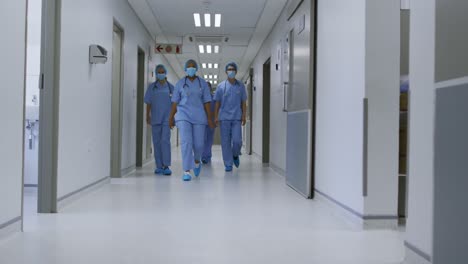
x: 298, y: 89
x: 140, y: 118
x: 266, y: 112
x: 116, y: 115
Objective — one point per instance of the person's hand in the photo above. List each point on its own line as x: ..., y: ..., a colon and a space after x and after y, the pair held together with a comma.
x: 148, y: 120
x: 244, y: 121
x: 171, y: 122
x: 211, y: 124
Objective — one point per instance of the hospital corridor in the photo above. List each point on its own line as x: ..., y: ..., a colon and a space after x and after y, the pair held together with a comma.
x: 248, y: 131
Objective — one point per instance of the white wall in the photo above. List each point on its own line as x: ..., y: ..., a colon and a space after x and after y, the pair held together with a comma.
x: 421, y: 127
x: 383, y: 92
x: 12, y: 71
x: 340, y: 92
x: 85, y: 90
x: 277, y: 116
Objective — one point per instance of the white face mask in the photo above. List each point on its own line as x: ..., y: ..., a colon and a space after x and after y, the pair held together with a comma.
x: 231, y: 74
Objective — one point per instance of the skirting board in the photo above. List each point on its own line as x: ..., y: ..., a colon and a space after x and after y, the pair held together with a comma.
x: 278, y: 170
x: 73, y: 196
x: 415, y: 255
x: 362, y: 221
x: 10, y: 227
x: 128, y: 171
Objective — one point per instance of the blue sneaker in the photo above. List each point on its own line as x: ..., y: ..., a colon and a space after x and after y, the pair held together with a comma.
x: 167, y: 171
x: 159, y: 171
x: 228, y: 168
x: 197, y: 170
x: 187, y: 176
x: 237, y: 162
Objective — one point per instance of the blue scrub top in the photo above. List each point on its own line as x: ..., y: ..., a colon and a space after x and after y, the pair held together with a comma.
x: 190, y: 98
x: 159, y: 97
x: 231, y: 97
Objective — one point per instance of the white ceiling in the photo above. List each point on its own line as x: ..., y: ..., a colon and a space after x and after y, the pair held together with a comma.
x: 246, y: 23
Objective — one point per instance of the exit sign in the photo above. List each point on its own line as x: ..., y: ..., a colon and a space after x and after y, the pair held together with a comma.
x: 168, y: 49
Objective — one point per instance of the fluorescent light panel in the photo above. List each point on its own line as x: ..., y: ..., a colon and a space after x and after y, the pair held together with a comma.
x: 207, y: 20
x: 216, y: 76
x: 216, y: 65
x: 196, y: 17
x: 211, y: 77
x: 204, y: 65
x: 201, y: 48
x: 206, y: 76
x: 208, y: 49
x: 210, y: 65
x: 216, y: 49
x: 218, y: 20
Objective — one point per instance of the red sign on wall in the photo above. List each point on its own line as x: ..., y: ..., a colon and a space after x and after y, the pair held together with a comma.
x: 168, y: 49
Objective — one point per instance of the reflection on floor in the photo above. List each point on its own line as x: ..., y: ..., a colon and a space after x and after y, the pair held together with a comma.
x: 248, y: 216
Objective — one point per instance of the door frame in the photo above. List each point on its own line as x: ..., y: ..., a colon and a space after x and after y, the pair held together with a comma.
x: 251, y: 100
x: 266, y: 111
x: 140, y: 113
x: 116, y: 135
x: 49, y: 106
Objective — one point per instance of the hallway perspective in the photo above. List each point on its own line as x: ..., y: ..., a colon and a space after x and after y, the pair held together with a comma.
x: 248, y: 216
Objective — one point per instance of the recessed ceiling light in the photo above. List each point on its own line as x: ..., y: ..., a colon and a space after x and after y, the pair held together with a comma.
x: 207, y: 20
x: 215, y: 82
x: 211, y: 76
x: 210, y: 65
x: 216, y: 65
x: 201, y: 48
x: 206, y: 76
x: 218, y: 20
x: 197, y: 19
x: 208, y: 49
x: 216, y: 49
x: 204, y: 65
x: 216, y: 76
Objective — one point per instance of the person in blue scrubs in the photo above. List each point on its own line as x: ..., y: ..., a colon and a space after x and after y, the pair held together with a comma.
x: 231, y: 110
x: 191, y: 113
x: 209, y: 132
x: 158, y: 108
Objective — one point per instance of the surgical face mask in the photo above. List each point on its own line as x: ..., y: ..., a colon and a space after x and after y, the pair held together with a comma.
x: 161, y: 76
x: 231, y: 74
x: 191, y: 71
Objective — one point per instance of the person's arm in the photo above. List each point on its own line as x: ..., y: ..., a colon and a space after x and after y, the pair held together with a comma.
x: 171, y: 116
x: 244, y: 112
x: 218, y: 105
x: 148, y: 114
x: 209, y: 114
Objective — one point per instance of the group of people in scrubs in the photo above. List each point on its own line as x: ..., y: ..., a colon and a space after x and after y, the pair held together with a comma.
x: 196, y: 111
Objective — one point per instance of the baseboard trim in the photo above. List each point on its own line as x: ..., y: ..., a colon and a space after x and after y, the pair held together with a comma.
x: 10, y: 227
x: 364, y: 221
x: 257, y: 156
x: 66, y: 199
x: 416, y: 255
x: 147, y: 162
x: 278, y: 170
x: 128, y: 171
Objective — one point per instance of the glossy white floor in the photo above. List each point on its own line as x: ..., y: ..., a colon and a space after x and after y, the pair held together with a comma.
x: 248, y: 216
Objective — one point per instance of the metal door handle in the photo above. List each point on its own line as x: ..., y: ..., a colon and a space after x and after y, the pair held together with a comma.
x: 285, y: 96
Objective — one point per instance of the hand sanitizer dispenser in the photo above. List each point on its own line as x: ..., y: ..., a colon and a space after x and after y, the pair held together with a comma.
x: 97, y: 54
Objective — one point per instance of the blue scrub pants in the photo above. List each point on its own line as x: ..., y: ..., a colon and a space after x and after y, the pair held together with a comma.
x: 231, y: 140
x: 162, y: 145
x: 192, y: 139
x: 209, y: 135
